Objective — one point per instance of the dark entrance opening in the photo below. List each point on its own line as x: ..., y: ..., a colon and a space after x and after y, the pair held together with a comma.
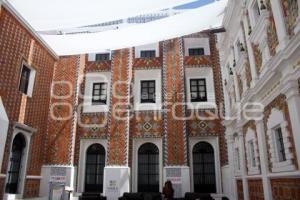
x: 204, y: 168
x: 148, y: 168
x: 94, y: 168
x: 17, y: 153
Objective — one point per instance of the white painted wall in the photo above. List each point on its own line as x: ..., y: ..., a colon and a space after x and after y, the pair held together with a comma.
x: 154, y: 46
x: 3, y: 130
x: 226, y: 181
x: 184, y: 184
x: 46, y: 175
x: 140, y: 75
x: 116, y: 181
x: 92, y: 56
x: 196, y: 43
x: 91, y: 78
x: 203, y: 72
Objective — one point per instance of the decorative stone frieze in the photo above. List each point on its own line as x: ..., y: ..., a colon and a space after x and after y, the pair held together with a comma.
x: 290, y: 13
x: 258, y: 57
x: 271, y: 31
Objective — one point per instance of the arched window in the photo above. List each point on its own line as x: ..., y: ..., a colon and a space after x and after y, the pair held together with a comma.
x: 94, y: 168
x: 204, y: 168
x: 18, y: 146
x: 148, y: 168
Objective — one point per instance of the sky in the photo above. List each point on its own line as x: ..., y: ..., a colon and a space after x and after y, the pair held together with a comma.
x: 194, y: 4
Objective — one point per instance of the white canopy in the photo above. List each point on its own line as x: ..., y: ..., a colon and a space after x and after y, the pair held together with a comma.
x: 195, y: 20
x: 61, y: 14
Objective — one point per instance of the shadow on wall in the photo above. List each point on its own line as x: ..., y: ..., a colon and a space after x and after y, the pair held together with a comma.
x: 3, y: 130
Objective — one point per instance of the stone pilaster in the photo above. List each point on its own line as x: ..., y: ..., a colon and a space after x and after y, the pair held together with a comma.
x: 263, y: 155
x: 230, y: 149
x: 280, y: 24
x: 117, y: 172
x: 243, y: 164
x: 291, y: 90
x: 174, y: 132
x: 175, y: 137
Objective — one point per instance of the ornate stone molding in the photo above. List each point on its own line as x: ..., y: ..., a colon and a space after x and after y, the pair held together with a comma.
x: 280, y: 104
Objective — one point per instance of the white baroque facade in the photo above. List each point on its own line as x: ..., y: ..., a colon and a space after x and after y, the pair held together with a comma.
x: 260, y: 57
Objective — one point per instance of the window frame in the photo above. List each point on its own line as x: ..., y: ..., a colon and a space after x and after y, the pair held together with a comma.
x: 251, y: 152
x: 148, y: 100
x: 147, y: 54
x: 106, y: 57
x: 279, y: 143
x: 99, y: 101
x: 198, y: 92
x: 200, y: 50
x: 237, y: 158
x: 26, y: 89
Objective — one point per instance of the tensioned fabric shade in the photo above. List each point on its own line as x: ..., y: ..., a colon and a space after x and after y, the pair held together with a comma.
x: 195, y: 20
x: 61, y: 14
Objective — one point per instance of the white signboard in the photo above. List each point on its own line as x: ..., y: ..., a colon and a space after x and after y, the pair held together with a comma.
x: 58, y: 175
x: 112, y: 189
x: 174, y: 175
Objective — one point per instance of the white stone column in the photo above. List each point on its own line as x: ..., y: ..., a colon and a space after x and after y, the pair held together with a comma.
x: 230, y: 149
x: 263, y: 157
x: 291, y: 90
x: 250, y: 54
x: 243, y: 165
x: 280, y: 24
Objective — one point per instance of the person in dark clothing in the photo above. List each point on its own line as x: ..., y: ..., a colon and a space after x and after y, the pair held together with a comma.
x: 168, y: 191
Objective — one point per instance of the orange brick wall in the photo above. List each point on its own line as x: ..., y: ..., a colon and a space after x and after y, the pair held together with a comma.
x: 51, y: 144
x: 175, y: 138
x: 240, y: 190
x: 286, y: 188
x: 177, y: 143
x: 256, y: 191
x: 60, y: 130
x: 17, y: 46
x: 118, y: 130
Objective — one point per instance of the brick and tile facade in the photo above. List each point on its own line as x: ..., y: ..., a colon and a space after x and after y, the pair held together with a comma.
x: 20, y: 46
x: 63, y: 126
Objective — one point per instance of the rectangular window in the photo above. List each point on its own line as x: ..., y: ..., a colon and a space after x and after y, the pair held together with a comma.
x: 24, y: 79
x: 198, y: 90
x: 256, y: 11
x: 99, y: 93
x: 251, y: 153
x: 196, y: 51
x: 147, y: 91
x: 102, y: 56
x: 148, y: 54
x: 280, y: 145
x: 237, y: 158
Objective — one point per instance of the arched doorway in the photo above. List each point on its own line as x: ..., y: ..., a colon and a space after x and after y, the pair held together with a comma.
x: 94, y: 168
x: 204, y: 168
x: 17, y: 152
x: 148, y: 168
